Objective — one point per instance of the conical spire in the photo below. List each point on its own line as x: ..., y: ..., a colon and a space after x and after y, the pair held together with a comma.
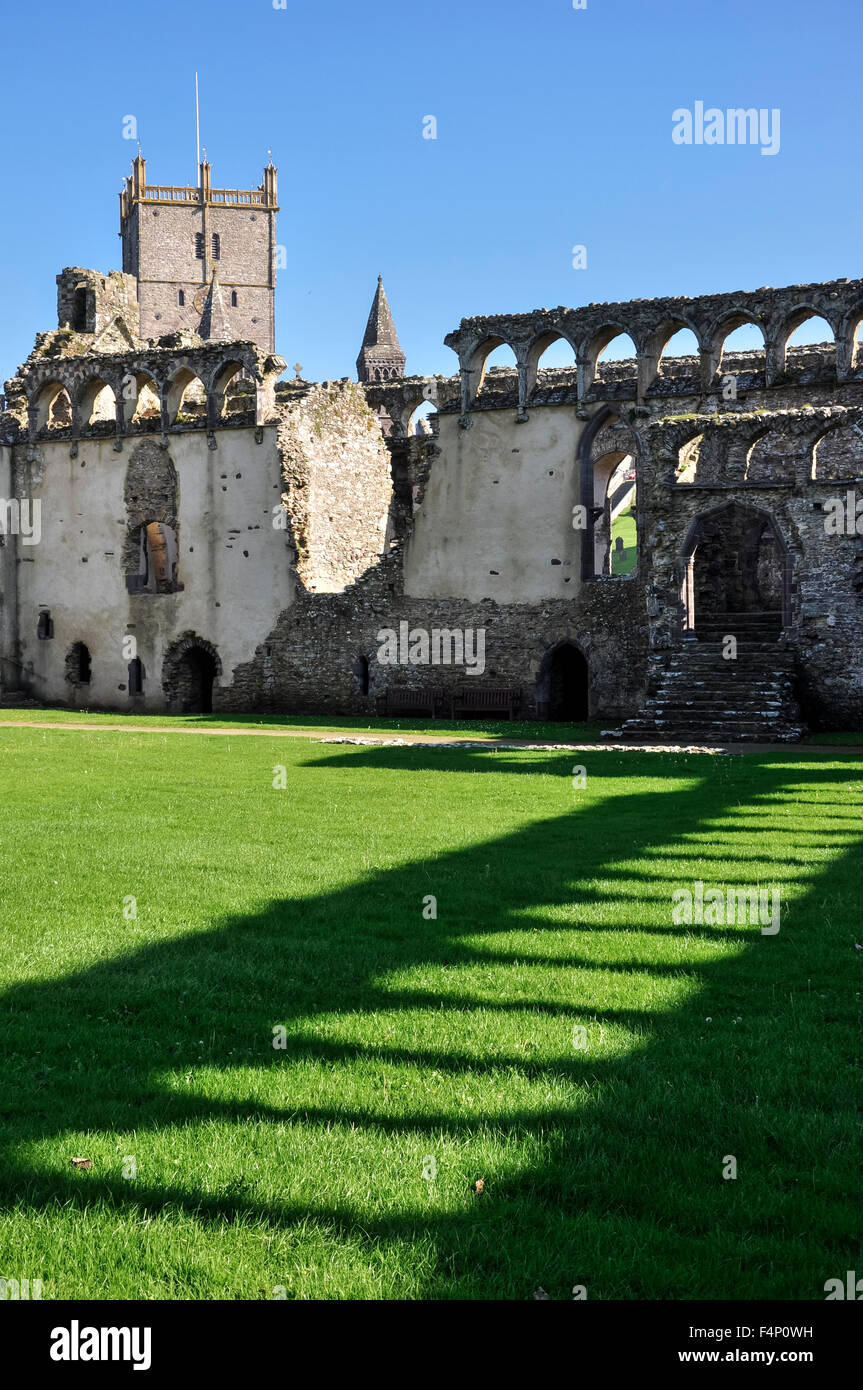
x: 215, y: 325
x: 381, y: 357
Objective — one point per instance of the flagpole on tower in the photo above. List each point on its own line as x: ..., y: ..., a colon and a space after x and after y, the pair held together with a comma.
x: 197, y: 129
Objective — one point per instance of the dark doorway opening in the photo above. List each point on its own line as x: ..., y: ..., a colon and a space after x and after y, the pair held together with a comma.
x: 361, y: 671
x: 196, y: 671
x: 136, y: 676
x: 79, y: 311
x: 78, y: 666
x: 736, y: 579
x: 568, y: 685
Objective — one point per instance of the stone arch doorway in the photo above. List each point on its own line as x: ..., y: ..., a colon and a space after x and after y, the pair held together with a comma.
x: 189, y: 674
x: 736, y: 576
x: 563, y: 688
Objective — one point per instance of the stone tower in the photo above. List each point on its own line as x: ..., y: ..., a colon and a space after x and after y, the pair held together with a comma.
x: 381, y: 357
x: 204, y: 258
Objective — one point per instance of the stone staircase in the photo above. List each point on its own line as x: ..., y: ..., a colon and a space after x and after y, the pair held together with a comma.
x: 695, y: 691
x: 763, y: 626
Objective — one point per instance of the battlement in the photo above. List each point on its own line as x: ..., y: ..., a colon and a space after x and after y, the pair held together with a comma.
x: 138, y: 190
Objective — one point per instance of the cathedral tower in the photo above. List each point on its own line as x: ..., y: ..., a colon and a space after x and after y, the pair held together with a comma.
x: 204, y: 258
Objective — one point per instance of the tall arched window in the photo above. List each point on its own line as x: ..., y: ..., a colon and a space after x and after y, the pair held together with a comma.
x: 156, y: 571
x: 151, y: 550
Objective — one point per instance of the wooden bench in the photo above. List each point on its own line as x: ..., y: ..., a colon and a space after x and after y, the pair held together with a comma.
x: 485, y: 700
x: 404, y: 700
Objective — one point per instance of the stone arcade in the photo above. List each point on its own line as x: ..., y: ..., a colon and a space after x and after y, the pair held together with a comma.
x: 213, y: 538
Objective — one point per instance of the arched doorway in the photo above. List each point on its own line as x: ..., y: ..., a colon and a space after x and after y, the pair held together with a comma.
x: 189, y: 673
x: 196, y: 672
x: 736, y: 576
x: 563, y: 686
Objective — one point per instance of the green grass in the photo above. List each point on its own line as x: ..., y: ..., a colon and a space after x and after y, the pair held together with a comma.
x: 410, y: 1039
x: 490, y: 729
x: 625, y: 527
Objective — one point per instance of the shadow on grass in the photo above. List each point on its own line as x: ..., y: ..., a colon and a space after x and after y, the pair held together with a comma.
x: 630, y: 1191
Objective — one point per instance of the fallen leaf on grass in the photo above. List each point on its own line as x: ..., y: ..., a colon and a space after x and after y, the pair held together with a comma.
x: 479, y: 1186
x: 81, y: 1162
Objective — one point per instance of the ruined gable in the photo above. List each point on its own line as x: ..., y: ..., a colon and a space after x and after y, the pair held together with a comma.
x: 338, y: 486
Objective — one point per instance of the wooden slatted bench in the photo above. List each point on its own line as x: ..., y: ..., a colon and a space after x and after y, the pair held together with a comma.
x: 401, y: 699
x: 485, y: 700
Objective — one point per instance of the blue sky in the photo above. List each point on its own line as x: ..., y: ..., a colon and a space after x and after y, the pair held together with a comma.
x: 553, y: 130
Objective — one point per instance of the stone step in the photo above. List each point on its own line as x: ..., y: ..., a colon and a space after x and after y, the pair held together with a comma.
x: 729, y: 728
x: 695, y: 691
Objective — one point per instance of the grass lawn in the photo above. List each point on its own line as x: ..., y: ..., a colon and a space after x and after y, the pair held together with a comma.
x: 624, y: 526
x: 422, y: 1054
x: 490, y: 729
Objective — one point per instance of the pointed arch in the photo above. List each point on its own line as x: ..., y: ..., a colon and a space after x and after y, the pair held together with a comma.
x: 736, y: 575
x: 597, y: 472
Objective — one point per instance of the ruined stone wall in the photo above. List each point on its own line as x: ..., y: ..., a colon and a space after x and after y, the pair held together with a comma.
x: 88, y: 302
x: 309, y: 661
x: 338, y: 484
x: 787, y: 465
x: 470, y: 527
x: 496, y: 516
x: 9, y: 551
x: 234, y: 564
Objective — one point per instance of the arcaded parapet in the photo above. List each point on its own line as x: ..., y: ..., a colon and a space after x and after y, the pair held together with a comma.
x: 651, y: 323
x: 338, y: 485
x: 397, y: 402
x: 74, y: 385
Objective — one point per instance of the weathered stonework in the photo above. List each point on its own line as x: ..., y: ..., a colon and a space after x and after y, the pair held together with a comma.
x: 177, y: 239
x: 338, y: 489
x: 279, y: 530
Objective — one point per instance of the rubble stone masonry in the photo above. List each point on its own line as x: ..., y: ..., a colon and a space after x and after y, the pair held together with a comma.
x: 303, y: 532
